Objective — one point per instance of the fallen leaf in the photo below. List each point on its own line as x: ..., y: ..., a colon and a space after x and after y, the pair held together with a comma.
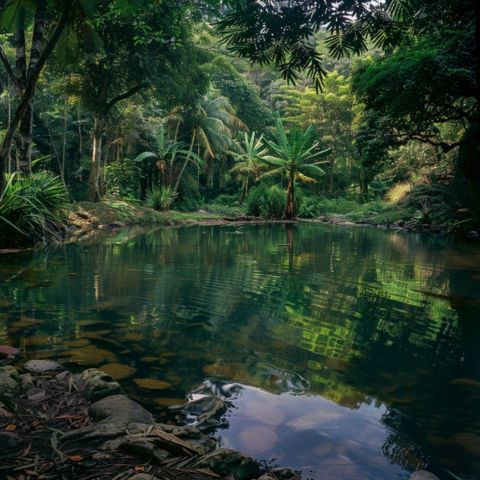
x: 75, y: 458
x: 10, y: 428
x: 139, y: 468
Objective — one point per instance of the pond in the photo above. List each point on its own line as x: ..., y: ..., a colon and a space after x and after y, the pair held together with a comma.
x: 355, y: 351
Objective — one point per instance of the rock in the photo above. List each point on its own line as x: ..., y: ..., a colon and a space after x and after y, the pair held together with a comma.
x: 267, y: 476
x: 11, y: 444
x: 207, y: 411
x: 42, y: 366
x: 99, y: 385
x: 423, y: 475
x: 36, y: 394
x: 229, y: 462
x: 27, y: 381
x: 8, y: 381
x: 285, y: 473
x: 119, y: 409
x: 91, y: 355
x: 152, y: 384
x: 200, y: 442
x: 472, y: 234
x: 118, y: 371
x: 8, y: 354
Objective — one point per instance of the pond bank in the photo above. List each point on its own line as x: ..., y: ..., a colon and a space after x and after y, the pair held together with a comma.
x: 87, y: 218
x: 55, y: 424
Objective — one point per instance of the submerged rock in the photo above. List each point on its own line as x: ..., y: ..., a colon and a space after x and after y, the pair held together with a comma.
x: 258, y: 439
x: 230, y: 462
x: 99, y: 385
x: 469, y: 442
x: 118, y: 371
x: 121, y: 410
x: 42, y: 366
x: 152, y: 384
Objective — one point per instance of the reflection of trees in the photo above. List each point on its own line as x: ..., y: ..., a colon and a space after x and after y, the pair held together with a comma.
x: 345, y: 308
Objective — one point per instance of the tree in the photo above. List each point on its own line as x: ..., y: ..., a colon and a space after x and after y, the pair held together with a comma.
x: 249, y: 160
x: 15, y: 15
x: 294, y: 155
x: 144, y: 45
x: 211, y: 121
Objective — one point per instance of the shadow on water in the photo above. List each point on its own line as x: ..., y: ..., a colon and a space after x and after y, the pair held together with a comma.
x: 356, y: 349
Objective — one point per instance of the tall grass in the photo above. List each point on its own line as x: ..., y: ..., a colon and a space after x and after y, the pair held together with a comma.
x: 160, y: 198
x: 30, y: 209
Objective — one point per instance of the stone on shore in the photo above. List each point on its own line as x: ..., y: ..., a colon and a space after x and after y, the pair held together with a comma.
x: 9, y: 381
x: 207, y: 411
x: 99, y: 385
x: 119, y: 409
x: 42, y: 366
x: 224, y: 461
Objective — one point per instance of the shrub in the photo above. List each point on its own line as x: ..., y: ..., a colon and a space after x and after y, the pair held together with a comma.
x: 122, y: 179
x: 267, y: 202
x: 455, y: 207
x: 30, y: 209
x: 160, y: 198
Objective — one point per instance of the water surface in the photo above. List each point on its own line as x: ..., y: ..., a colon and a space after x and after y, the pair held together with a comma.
x: 355, y: 349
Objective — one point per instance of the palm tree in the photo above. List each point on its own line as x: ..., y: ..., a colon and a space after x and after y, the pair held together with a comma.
x: 248, y: 161
x: 294, y: 154
x: 212, y: 122
x: 166, y: 153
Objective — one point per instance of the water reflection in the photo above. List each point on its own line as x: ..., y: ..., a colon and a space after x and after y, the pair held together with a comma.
x: 362, y: 343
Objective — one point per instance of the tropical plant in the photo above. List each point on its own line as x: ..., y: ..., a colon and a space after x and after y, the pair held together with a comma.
x: 166, y: 154
x: 30, y: 209
x: 212, y: 122
x: 248, y: 161
x: 160, y: 198
x: 294, y: 154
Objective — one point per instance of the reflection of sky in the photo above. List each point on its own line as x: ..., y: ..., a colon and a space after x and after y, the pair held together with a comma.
x: 311, y: 433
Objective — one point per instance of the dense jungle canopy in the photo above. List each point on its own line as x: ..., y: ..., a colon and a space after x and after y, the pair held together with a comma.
x: 275, y: 109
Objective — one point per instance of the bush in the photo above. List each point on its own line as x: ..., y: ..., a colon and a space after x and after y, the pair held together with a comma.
x: 30, y: 209
x: 267, y: 202
x: 160, y: 198
x: 122, y: 179
x: 455, y: 207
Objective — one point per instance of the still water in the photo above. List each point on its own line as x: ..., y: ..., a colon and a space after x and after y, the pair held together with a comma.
x: 355, y: 350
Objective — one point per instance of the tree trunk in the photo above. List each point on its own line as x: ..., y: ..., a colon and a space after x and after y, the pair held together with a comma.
x: 24, y: 141
x: 468, y: 166
x: 27, y: 95
x: 290, y: 206
x: 94, y: 194
x: 185, y: 163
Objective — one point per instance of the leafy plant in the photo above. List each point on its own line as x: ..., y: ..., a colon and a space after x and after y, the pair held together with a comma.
x: 30, y: 209
x: 160, y: 198
x: 293, y: 154
x: 267, y: 202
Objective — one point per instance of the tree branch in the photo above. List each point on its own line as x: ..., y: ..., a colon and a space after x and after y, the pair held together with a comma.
x: 123, y: 96
x: 9, y: 69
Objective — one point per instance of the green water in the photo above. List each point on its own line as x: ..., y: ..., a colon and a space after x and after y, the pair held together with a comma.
x: 356, y: 349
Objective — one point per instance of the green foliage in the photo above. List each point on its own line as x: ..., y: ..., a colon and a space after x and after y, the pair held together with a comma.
x: 160, y: 198
x: 30, y: 209
x: 121, y: 179
x: 266, y: 201
x: 455, y: 207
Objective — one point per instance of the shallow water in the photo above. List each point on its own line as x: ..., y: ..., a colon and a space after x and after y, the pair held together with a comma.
x: 356, y: 349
